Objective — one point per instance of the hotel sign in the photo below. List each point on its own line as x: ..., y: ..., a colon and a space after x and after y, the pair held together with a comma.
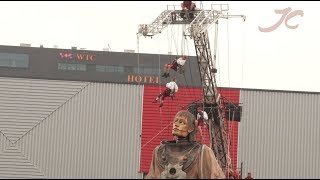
x: 143, y: 79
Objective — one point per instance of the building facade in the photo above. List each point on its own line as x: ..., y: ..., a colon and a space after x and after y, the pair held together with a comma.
x: 88, y: 114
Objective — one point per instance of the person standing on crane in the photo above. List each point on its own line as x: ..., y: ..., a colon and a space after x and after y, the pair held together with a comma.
x: 171, y: 89
x: 202, y: 119
x: 187, y: 6
x: 176, y: 65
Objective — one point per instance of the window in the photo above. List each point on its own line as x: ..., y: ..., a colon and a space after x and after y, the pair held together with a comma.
x: 155, y: 71
x: 137, y: 70
x: 14, y: 60
x: 109, y: 68
x: 100, y: 68
x: 128, y: 69
x: 72, y: 67
x: 81, y: 67
x: 119, y: 69
x: 147, y: 71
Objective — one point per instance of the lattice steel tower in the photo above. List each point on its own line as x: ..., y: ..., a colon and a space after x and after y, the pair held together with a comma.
x: 196, y: 29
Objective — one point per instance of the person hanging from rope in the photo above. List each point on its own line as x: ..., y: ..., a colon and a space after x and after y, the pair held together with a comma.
x: 177, y: 65
x: 187, y: 8
x: 202, y: 119
x: 171, y: 89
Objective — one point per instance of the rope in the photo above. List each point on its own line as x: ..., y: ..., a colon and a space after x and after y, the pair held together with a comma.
x: 138, y: 51
x: 192, y: 81
x: 160, y: 109
x: 228, y: 48
x: 182, y: 41
x: 229, y: 122
x: 177, y: 73
x: 173, y: 38
x: 216, y: 53
x: 171, y: 113
x: 169, y: 40
x: 217, y: 57
x: 244, y: 36
x: 156, y: 135
x: 138, y: 59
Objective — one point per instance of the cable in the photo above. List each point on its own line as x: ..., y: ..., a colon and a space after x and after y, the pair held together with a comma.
x: 174, y: 40
x: 182, y: 40
x: 138, y: 59
x: 244, y: 37
x: 229, y: 123
x: 169, y: 41
x: 156, y: 135
x: 190, y: 72
x: 160, y: 109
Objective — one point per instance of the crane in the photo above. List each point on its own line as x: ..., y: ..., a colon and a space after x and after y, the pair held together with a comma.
x: 197, y: 29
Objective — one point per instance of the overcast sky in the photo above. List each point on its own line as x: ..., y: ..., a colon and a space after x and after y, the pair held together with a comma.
x: 281, y: 55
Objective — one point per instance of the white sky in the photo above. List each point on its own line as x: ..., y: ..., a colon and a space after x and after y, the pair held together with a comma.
x: 283, y: 59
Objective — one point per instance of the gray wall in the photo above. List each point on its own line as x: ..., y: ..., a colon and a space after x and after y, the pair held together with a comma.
x: 66, y: 129
x: 279, y: 134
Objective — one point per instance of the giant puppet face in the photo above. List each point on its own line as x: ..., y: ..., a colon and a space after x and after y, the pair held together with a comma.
x: 183, y: 124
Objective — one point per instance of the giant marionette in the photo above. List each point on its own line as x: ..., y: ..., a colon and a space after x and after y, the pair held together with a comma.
x: 184, y: 158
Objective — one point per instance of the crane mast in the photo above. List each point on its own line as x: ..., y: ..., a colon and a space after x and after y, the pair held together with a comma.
x: 196, y: 29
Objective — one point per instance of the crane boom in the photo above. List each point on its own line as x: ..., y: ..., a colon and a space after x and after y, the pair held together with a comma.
x: 197, y: 30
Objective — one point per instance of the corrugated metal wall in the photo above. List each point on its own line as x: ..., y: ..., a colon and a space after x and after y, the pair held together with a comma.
x: 65, y: 129
x: 279, y: 134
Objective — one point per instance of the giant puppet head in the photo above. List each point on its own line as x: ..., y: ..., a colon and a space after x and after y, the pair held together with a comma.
x: 184, y: 125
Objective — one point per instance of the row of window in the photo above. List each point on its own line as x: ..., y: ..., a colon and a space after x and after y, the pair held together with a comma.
x: 14, y: 60
x: 110, y: 69
x: 22, y: 61
x: 72, y: 67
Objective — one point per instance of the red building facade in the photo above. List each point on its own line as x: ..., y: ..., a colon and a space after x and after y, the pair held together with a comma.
x: 157, y: 122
